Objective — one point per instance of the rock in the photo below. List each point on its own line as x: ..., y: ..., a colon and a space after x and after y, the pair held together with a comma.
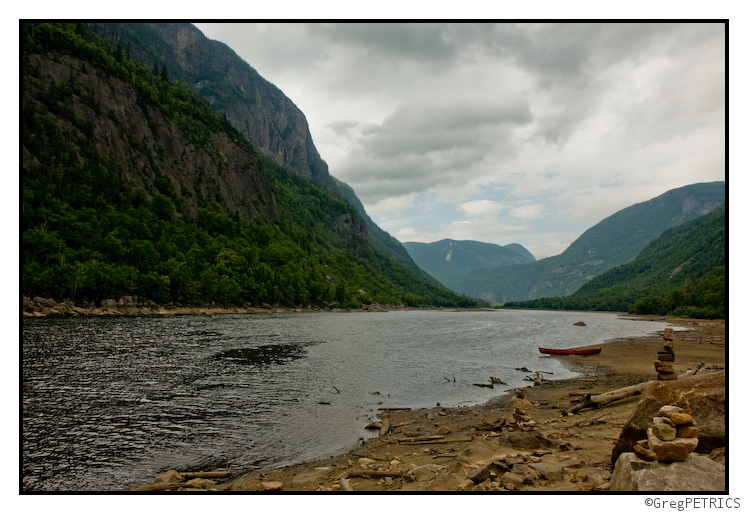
x: 644, y: 453
x: 572, y: 463
x: 663, y: 431
x: 719, y: 456
x: 696, y: 473
x: 521, y: 417
x: 688, y: 431
x: 526, y: 440
x: 680, y: 418
x: 108, y: 303
x: 666, y: 356
x: 466, y: 485
x: 199, y: 483
x: 511, y: 480
x: 520, y: 403
x: 445, y: 482
x: 364, y: 462
x: 271, y: 486
x: 479, y: 474
x: 444, y: 431
x: 548, y: 470
x: 422, y: 473
x: 169, y: 477
x: 580, y: 324
x: 595, y: 475
x: 678, y: 449
x: 527, y: 473
x: 704, y: 394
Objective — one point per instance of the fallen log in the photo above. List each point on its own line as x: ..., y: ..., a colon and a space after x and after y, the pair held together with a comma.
x: 441, y: 441
x: 373, y: 473
x: 599, y: 400
x: 419, y: 438
x: 385, y: 425
x: 160, y: 486
x: 205, y: 474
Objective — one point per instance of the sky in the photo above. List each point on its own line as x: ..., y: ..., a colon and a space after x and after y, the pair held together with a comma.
x: 502, y: 133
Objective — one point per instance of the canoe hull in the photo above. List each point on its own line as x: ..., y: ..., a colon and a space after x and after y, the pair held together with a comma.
x: 572, y: 351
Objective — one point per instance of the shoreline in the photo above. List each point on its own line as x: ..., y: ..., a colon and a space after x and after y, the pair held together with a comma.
x: 445, y: 449
x: 129, y: 306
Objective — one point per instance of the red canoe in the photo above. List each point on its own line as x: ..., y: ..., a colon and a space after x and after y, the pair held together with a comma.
x: 571, y: 351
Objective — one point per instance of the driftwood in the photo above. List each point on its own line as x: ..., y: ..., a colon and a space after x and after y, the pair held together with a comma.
x: 485, y: 385
x: 599, y: 400
x: 393, y: 408
x: 160, y: 486
x: 205, y: 474
x: 373, y: 473
x: 385, y: 425
x: 441, y: 441
x: 419, y: 438
x: 344, y: 485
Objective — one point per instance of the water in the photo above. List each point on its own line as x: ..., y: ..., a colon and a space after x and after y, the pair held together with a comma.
x: 110, y: 402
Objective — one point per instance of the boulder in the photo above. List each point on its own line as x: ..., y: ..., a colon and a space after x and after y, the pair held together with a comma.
x: 445, y: 482
x: 696, y: 473
x: 704, y: 394
x: 548, y: 470
x: 169, y: 477
x: 520, y: 403
x: 678, y: 448
x: 479, y: 474
x: 511, y: 480
x: 527, y: 440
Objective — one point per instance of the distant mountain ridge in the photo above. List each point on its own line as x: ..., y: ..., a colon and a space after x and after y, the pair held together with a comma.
x: 448, y: 259
x: 614, y: 241
x: 682, y: 272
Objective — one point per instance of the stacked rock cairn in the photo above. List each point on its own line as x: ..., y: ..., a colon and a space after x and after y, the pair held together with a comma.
x: 666, y: 356
x: 520, y: 418
x: 672, y: 436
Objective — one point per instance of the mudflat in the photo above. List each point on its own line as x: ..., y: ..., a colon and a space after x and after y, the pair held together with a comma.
x: 452, y: 449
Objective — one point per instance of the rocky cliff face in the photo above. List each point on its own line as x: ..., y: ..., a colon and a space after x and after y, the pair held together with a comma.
x: 269, y: 119
x: 144, y: 145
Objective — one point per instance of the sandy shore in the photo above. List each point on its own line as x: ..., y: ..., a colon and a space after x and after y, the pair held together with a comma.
x: 583, y: 442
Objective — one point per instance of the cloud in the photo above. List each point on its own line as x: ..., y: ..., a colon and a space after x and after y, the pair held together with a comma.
x: 484, y: 130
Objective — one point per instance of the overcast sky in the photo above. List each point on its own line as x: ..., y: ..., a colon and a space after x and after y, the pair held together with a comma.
x: 501, y: 133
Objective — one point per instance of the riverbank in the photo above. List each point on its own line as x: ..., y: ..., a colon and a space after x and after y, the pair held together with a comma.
x: 441, y: 449
x: 38, y: 307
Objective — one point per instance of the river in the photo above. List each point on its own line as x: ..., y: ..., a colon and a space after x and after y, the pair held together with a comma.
x: 110, y: 402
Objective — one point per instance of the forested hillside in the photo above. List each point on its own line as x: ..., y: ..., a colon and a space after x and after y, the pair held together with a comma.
x: 448, y: 260
x: 133, y: 186
x: 616, y: 240
x: 682, y: 273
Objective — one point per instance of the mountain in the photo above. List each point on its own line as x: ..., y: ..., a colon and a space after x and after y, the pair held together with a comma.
x: 681, y: 272
x: 274, y: 125
x: 132, y: 185
x: 447, y: 260
x: 614, y: 241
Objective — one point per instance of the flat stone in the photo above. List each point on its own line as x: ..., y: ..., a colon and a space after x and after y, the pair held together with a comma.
x: 687, y: 431
x: 199, y: 483
x: 511, y: 480
x: 644, y: 453
x: 169, y: 477
x: 680, y: 418
x: 479, y: 474
x: 696, y: 473
x: 572, y: 463
x: 271, y: 486
x: 666, y: 356
x: 663, y: 431
x: 465, y: 485
x: 548, y: 470
x: 678, y: 449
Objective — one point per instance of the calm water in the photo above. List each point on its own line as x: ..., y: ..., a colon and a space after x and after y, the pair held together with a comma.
x: 110, y: 402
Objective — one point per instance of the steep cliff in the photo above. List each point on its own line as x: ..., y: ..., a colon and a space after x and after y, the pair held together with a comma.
x: 144, y: 147
x: 269, y: 119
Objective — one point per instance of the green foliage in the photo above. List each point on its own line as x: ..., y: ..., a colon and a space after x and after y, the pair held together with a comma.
x: 681, y: 273
x: 87, y: 234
